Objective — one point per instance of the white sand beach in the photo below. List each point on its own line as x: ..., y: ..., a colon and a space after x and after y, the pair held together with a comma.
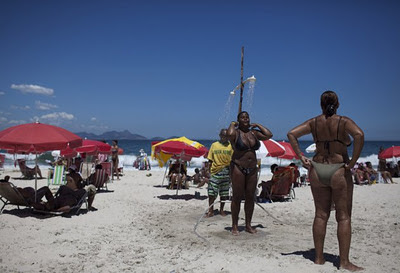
x: 142, y: 227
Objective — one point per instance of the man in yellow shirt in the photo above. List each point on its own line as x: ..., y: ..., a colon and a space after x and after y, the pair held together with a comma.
x: 219, y: 157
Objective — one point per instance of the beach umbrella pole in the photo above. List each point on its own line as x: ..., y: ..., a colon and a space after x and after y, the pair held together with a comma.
x: 36, y: 165
x: 180, y: 168
x: 165, y: 173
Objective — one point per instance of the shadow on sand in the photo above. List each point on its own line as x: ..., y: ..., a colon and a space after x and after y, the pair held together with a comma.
x: 28, y: 212
x: 185, y: 197
x: 310, y: 255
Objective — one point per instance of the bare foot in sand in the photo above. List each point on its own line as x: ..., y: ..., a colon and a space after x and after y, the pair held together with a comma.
x: 251, y: 230
x: 235, y: 231
x: 222, y: 213
x: 209, y: 214
x: 351, y: 267
x: 319, y: 261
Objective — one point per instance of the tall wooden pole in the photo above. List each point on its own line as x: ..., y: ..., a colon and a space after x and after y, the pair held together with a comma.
x: 241, y: 83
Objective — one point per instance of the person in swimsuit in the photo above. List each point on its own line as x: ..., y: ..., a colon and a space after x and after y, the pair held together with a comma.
x: 330, y: 173
x: 115, y: 160
x: 245, y: 139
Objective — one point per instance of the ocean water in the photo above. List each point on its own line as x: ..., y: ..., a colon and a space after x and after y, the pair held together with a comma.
x: 132, y: 147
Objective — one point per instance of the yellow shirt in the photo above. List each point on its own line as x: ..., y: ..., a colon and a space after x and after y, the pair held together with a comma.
x: 220, y: 155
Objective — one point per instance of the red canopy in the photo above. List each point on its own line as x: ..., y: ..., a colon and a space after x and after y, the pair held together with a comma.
x: 270, y: 148
x: 94, y: 146
x: 289, y: 152
x: 391, y: 152
x: 38, y: 138
x: 178, y: 147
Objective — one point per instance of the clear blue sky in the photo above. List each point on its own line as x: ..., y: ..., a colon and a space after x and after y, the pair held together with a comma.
x: 162, y: 68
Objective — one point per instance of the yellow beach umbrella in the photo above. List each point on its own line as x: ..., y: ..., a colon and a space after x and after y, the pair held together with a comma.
x: 181, y: 147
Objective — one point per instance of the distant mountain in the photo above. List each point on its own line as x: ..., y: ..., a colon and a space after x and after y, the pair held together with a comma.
x: 112, y: 135
x: 157, y: 138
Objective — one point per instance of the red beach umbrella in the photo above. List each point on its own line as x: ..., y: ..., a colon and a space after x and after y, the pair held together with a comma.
x: 178, y: 147
x: 391, y: 152
x: 37, y: 138
x: 270, y: 147
x: 289, y: 152
x: 94, y: 146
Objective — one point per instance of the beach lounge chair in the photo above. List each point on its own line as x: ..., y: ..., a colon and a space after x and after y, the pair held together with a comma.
x: 107, y: 167
x: 100, y: 179
x: 283, y: 184
x: 59, y: 177
x: 76, y: 208
x: 2, y: 159
x: 28, y: 173
x: 86, y: 169
x: 10, y: 195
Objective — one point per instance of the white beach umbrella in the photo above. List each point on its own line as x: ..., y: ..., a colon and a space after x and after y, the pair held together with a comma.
x: 311, y: 149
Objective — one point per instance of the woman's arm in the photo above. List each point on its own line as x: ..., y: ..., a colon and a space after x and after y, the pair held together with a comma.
x: 263, y: 133
x: 293, y: 136
x: 358, y: 136
x: 231, y: 133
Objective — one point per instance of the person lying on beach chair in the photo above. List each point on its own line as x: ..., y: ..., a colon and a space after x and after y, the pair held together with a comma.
x: 361, y: 176
x: 75, y: 183
x: 177, y: 175
x: 267, y: 185
x: 27, y: 172
x: 18, y: 196
x: 99, y: 178
x: 64, y: 200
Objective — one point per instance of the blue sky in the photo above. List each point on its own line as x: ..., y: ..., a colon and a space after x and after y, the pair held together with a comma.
x: 162, y: 68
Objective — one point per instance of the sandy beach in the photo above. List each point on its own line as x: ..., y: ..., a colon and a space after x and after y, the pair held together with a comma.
x: 142, y: 227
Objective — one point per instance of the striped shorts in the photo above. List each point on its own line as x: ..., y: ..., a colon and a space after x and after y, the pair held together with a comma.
x: 219, y: 183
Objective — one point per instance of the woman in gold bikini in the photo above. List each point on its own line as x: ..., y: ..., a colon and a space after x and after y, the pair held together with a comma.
x: 244, y: 138
x: 330, y: 174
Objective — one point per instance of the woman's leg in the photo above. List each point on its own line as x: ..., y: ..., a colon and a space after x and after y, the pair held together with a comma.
x: 251, y: 184
x: 238, y: 189
x: 322, y: 200
x: 342, y: 193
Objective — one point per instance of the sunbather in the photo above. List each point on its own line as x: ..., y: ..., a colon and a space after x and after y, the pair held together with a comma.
x: 27, y: 171
x: 177, y: 175
x: 75, y: 183
x: 64, y: 199
x: 267, y: 185
x: 361, y: 175
x: 29, y: 193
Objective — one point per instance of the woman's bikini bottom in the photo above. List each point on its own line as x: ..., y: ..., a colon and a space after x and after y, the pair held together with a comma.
x: 326, y: 171
x: 245, y: 171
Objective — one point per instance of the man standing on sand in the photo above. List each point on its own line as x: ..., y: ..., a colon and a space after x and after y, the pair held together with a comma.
x: 219, y: 157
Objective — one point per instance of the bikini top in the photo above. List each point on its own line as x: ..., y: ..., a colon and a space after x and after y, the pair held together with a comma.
x: 326, y: 142
x: 241, y: 146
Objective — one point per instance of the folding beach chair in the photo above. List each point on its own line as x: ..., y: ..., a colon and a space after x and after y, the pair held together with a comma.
x: 27, y: 172
x: 100, y: 179
x: 10, y: 195
x: 59, y: 177
x: 2, y: 159
x: 76, y: 208
x: 106, y: 166
x: 283, y: 184
x: 86, y: 170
